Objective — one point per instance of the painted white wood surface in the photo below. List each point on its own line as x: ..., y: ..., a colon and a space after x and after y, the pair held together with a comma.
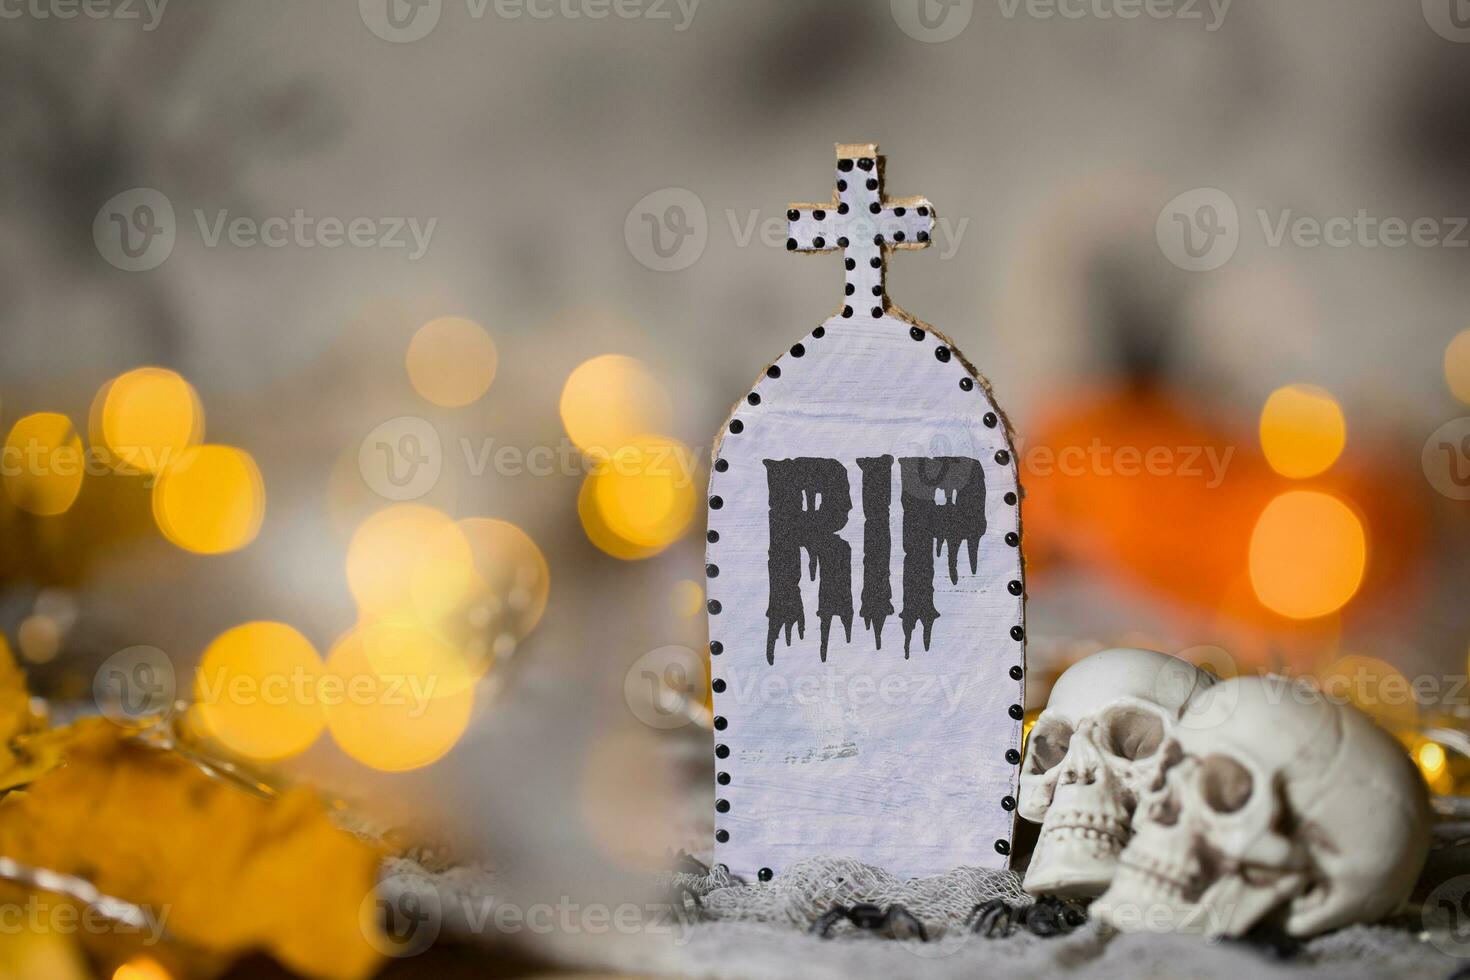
x: 898, y: 762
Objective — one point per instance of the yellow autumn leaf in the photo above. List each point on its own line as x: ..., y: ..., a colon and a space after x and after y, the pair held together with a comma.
x: 26, y: 954
x: 32, y: 756
x: 230, y: 871
x: 15, y: 705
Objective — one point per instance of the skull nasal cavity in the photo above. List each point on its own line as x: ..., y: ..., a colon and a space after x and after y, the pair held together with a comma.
x: 1132, y: 733
x: 1224, y: 783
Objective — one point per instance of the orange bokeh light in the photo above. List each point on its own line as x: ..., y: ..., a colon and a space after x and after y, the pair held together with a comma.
x: 1308, y: 553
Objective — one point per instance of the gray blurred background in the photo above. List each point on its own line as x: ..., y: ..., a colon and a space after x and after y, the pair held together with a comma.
x: 1062, y: 151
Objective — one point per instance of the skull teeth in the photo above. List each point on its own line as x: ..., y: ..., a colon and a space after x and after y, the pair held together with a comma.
x: 1080, y: 825
x: 1103, y: 839
x: 1151, y: 875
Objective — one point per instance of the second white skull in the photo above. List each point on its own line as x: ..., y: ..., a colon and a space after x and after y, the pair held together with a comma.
x: 1097, y: 744
x: 1279, y: 807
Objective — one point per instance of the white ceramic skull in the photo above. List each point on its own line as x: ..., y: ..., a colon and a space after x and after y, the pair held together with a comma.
x: 1097, y: 744
x: 1279, y: 806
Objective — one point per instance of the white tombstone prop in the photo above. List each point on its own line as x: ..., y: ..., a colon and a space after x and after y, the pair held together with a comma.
x: 866, y: 596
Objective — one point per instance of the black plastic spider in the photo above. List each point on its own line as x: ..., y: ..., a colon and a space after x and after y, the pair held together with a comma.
x: 687, y: 864
x: 895, y: 920
x: 1271, y: 942
x: 681, y: 896
x: 1045, y: 917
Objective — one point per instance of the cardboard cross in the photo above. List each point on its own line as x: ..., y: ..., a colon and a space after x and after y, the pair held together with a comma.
x: 864, y: 225
x: 867, y: 474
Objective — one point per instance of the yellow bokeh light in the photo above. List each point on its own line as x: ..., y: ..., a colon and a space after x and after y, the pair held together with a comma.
x: 1457, y: 366
x: 210, y: 500
x: 415, y: 652
x: 512, y: 581
x: 39, y: 638
x: 597, y: 530
x: 141, y: 968
x: 687, y: 599
x: 645, y: 491
x: 1302, y: 431
x: 441, y: 572
x: 44, y: 464
x: 408, y: 562
x: 148, y: 417
x: 609, y: 400
x: 387, y: 722
x: 258, y: 691
x: 451, y: 361
x: 1431, y: 760
x: 1307, y: 554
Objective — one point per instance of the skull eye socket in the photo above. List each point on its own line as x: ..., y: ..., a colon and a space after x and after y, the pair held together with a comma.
x: 1224, y: 783
x: 1048, y: 746
x: 1132, y: 733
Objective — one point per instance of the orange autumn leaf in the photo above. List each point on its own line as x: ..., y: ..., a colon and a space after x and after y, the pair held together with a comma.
x: 232, y: 872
